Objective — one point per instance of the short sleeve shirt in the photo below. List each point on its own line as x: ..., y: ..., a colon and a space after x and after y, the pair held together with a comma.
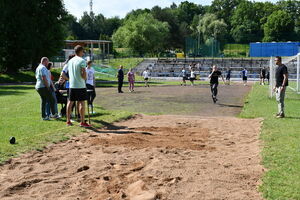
x: 90, y: 76
x: 75, y: 65
x: 146, y: 74
x: 215, y: 77
x: 280, y: 70
x: 41, y: 71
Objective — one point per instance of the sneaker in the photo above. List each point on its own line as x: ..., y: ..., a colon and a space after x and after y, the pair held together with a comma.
x: 85, y: 125
x: 54, y: 116
x: 280, y: 116
x: 46, y: 118
x: 69, y: 124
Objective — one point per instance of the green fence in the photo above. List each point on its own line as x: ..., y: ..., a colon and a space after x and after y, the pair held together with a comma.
x: 193, y: 48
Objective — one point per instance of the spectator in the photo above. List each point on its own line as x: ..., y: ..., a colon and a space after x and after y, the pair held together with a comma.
x: 77, y: 91
x: 228, y: 76
x: 48, y: 113
x: 42, y: 86
x: 193, y: 76
x: 281, y: 77
x: 262, y: 76
x: 131, y: 79
x: 146, y: 75
x: 120, y: 79
x: 60, y: 87
x: 245, y: 76
x: 90, y: 83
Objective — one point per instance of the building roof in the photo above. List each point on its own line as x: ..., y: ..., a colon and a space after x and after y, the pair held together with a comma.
x: 88, y: 41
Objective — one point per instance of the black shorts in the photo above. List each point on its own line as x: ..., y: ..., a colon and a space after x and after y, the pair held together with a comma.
x: 146, y: 79
x: 227, y: 78
x: 244, y: 78
x: 262, y: 77
x: 184, y: 78
x: 78, y: 94
x: 192, y: 79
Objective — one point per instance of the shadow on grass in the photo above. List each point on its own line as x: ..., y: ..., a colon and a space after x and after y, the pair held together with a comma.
x: 230, y: 105
x: 10, y: 93
x: 291, y: 117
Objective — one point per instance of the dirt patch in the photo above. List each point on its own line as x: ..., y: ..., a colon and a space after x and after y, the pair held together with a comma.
x: 150, y: 157
x: 177, y: 100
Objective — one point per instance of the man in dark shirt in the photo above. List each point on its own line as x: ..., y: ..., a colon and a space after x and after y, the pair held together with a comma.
x: 281, y: 76
x: 214, y: 82
x: 120, y: 79
x: 262, y: 76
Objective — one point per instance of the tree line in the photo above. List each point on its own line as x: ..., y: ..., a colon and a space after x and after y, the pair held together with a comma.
x: 40, y: 26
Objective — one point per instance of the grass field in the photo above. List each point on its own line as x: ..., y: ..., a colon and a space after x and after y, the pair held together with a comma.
x: 20, y: 117
x: 280, y: 140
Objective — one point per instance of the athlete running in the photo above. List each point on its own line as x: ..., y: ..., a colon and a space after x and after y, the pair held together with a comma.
x: 214, y: 82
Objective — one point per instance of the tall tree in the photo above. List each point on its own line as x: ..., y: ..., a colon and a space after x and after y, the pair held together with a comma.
x: 279, y: 27
x: 143, y: 34
x: 211, y: 27
x: 37, y: 33
x: 245, y: 24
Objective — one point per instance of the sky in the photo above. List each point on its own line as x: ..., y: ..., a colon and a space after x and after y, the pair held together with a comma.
x: 111, y: 8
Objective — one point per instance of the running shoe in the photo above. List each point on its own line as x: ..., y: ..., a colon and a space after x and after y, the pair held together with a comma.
x: 69, y: 124
x: 54, y: 116
x: 85, y: 125
x: 46, y: 118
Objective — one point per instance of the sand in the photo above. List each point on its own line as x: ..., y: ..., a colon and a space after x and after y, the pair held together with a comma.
x: 163, y: 157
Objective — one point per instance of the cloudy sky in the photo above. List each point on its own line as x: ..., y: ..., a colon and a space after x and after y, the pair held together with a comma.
x: 120, y: 8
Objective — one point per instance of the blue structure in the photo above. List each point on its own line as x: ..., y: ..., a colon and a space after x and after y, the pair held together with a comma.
x: 269, y: 49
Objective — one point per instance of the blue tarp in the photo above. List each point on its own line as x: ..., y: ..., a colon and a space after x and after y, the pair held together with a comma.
x: 269, y: 49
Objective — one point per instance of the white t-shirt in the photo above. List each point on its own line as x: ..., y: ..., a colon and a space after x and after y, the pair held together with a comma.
x: 65, y: 68
x: 192, y: 74
x: 146, y: 74
x: 90, y: 75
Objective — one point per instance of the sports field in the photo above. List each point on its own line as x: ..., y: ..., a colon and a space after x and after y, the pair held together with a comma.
x: 201, y: 151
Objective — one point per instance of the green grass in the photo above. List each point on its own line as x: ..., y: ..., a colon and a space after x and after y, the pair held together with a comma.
x: 236, y: 50
x: 20, y: 117
x: 281, y: 146
x: 24, y: 76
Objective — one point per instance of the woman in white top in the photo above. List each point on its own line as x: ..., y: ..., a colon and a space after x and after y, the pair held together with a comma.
x: 146, y: 76
x: 90, y: 83
x: 192, y: 77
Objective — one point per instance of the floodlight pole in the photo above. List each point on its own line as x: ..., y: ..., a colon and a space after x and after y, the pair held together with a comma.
x: 298, y: 71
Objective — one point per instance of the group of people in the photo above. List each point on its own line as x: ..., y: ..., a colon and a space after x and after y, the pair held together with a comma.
x: 131, y: 78
x: 281, y: 82
x: 76, y: 84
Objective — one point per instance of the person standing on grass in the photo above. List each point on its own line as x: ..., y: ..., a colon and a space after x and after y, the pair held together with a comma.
x: 281, y: 77
x: 184, y: 76
x: 228, y: 76
x: 77, y: 91
x: 90, y: 83
x: 146, y: 75
x: 262, y: 76
x: 214, y: 82
x: 131, y: 79
x: 43, y: 87
x: 120, y: 79
x: 245, y: 76
x: 193, y: 76
x: 48, y: 113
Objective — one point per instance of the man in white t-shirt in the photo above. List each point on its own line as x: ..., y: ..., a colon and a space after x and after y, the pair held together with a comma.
x: 90, y: 83
x: 146, y: 75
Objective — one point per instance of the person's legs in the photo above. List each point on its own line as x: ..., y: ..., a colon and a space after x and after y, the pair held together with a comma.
x: 55, y: 102
x: 81, y: 111
x: 48, y: 113
x: 280, y: 94
x: 215, y: 90
x: 42, y: 93
x: 69, y: 110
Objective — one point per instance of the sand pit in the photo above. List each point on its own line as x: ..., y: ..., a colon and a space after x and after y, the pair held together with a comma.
x: 146, y: 158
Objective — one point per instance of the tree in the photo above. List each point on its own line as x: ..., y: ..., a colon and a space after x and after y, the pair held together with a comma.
x: 293, y: 8
x: 210, y: 27
x: 142, y: 34
x: 245, y: 24
x: 187, y: 10
x: 38, y: 32
x: 279, y: 27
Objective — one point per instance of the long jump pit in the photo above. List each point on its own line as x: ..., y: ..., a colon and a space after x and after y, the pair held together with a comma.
x: 148, y: 157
